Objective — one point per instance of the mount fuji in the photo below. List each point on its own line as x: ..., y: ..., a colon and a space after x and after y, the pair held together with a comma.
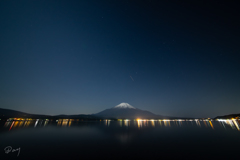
x: 126, y: 111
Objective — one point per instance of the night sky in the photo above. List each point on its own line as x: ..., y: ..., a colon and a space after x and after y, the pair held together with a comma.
x: 81, y: 57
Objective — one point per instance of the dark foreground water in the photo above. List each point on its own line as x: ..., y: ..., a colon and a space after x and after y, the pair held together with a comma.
x: 119, y: 140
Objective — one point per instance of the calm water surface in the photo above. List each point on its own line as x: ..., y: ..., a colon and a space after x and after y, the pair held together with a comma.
x: 68, y: 139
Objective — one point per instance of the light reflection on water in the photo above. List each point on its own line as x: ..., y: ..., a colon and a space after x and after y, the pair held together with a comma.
x: 140, y: 137
x: 139, y: 123
x: 64, y: 122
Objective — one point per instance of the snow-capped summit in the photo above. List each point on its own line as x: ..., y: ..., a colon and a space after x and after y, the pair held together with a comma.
x: 124, y: 105
x: 126, y: 111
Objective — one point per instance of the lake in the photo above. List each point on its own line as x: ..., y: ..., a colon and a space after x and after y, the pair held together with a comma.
x: 126, y: 139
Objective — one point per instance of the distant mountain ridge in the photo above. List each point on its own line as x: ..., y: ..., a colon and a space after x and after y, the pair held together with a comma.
x: 121, y: 111
x: 229, y: 116
x: 8, y: 113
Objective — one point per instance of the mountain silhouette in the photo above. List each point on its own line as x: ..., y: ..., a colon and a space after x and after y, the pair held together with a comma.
x: 126, y: 111
x: 121, y: 111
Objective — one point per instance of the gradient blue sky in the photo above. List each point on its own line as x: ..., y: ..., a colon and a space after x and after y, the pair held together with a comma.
x: 81, y: 57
